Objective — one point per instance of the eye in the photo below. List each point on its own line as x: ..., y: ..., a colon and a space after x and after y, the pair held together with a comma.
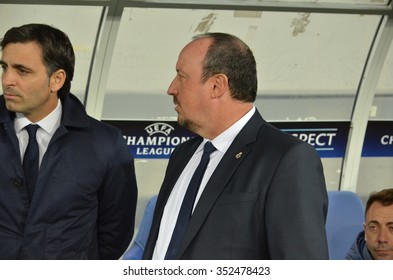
x: 23, y: 71
x: 372, y: 228
x: 181, y: 75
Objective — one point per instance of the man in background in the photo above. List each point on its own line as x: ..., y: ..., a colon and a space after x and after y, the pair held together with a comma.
x: 375, y: 242
x: 262, y: 194
x: 67, y: 181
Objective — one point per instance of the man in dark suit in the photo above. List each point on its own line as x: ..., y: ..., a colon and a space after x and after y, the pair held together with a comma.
x: 76, y: 197
x: 263, y: 194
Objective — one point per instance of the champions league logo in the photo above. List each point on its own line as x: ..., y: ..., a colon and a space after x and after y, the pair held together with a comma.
x: 157, y: 139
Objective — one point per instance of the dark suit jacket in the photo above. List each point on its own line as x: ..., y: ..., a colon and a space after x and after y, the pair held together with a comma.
x: 269, y: 203
x: 84, y: 202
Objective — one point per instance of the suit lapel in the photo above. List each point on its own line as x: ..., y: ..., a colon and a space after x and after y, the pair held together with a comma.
x: 236, y: 153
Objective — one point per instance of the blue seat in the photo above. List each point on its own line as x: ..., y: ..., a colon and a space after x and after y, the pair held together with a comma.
x: 135, y: 252
x: 344, y: 221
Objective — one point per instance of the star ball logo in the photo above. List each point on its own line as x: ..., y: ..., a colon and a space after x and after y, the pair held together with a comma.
x: 159, y: 128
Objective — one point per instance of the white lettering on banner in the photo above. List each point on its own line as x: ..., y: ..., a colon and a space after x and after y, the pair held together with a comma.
x: 157, y: 141
x: 159, y: 128
x: 154, y: 141
x: 319, y: 139
x: 387, y: 140
x: 154, y: 151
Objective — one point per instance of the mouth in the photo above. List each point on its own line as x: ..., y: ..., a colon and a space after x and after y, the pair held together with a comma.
x: 382, y: 252
x: 176, y: 104
x: 9, y: 96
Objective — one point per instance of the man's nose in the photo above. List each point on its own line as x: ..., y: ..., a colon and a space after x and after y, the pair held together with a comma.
x: 7, y: 78
x: 383, y: 235
x: 172, y: 89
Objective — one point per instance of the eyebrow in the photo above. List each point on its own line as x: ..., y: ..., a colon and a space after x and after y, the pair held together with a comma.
x: 376, y: 222
x: 16, y: 66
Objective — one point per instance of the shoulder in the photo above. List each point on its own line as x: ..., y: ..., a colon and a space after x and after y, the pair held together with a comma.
x: 76, y: 119
x: 265, y: 133
x: 282, y: 142
x: 103, y: 127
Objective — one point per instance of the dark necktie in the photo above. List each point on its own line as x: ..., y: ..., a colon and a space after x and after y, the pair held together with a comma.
x: 188, y: 203
x: 31, y: 158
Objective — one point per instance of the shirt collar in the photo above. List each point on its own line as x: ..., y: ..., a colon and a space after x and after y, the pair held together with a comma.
x: 225, y: 139
x: 50, y: 123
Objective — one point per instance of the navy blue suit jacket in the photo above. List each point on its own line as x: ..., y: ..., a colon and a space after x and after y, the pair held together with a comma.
x: 84, y: 202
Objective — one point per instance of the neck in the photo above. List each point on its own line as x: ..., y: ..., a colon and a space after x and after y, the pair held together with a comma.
x: 226, y: 118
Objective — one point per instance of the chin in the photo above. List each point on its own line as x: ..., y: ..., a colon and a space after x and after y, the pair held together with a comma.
x: 185, y: 124
x: 12, y: 107
x: 384, y: 257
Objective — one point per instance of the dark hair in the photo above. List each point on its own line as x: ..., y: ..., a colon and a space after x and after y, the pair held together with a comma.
x: 57, y: 51
x: 385, y: 197
x: 231, y: 56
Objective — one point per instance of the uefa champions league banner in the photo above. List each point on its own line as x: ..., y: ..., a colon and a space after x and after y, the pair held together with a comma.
x: 152, y: 139
x: 157, y: 139
x: 378, y: 141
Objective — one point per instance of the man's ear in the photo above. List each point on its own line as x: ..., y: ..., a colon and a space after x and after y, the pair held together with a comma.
x: 220, y: 85
x: 57, y: 80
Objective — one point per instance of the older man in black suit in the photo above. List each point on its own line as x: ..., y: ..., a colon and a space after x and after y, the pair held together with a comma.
x: 263, y: 193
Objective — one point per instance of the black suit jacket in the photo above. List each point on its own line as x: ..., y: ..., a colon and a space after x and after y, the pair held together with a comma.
x: 266, y: 200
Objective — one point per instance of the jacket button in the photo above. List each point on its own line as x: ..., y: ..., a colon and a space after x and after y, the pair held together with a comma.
x: 18, y: 182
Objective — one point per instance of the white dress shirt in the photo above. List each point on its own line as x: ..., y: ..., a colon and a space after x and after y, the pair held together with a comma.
x: 48, y: 127
x: 172, y: 207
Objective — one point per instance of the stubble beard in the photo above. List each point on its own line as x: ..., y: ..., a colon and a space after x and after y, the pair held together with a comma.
x: 186, y: 123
